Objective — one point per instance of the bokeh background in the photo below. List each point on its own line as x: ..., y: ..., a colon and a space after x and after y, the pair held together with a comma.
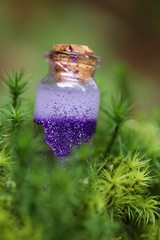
x: 126, y: 34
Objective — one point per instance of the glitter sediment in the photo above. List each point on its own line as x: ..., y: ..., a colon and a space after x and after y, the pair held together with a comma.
x: 63, y: 134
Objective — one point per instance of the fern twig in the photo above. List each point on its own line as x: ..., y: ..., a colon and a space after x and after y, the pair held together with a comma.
x: 117, y: 114
x: 112, y: 141
x: 16, y: 85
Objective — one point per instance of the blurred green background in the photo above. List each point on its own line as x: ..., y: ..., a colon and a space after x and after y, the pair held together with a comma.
x: 125, y: 34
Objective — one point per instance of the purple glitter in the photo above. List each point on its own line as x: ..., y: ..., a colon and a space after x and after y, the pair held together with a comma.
x: 63, y: 134
x: 74, y: 58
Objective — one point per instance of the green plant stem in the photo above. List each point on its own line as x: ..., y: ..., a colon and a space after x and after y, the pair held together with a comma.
x: 15, y: 100
x: 112, y: 141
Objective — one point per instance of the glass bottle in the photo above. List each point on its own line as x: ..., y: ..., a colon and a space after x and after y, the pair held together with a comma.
x: 67, y: 99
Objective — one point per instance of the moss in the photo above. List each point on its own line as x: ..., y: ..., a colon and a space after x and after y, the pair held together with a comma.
x: 104, y: 192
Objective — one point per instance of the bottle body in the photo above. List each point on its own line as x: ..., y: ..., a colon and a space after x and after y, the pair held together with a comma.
x: 68, y: 113
x: 67, y: 99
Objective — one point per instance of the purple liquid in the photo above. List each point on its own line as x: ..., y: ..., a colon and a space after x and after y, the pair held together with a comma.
x: 63, y: 134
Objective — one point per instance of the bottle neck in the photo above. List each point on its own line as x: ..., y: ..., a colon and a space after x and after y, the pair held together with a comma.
x: 71, y: 72
x: 71, y: 67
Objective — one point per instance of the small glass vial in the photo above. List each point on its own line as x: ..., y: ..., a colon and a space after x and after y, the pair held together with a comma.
x: 67, y: 99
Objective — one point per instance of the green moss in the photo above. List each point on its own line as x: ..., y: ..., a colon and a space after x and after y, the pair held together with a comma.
x: 107, y: 191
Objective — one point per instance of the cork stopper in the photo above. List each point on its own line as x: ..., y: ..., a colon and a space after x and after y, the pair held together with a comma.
x: 76, y: 48
x: 73, y: 62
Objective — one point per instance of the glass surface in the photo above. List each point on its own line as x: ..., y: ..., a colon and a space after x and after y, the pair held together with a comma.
x: 67, y: 111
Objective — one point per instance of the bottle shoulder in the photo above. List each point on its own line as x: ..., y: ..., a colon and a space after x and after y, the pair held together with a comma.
x: 50, y: 82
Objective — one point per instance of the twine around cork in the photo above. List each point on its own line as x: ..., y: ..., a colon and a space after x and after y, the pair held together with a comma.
x: 73, y: 62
